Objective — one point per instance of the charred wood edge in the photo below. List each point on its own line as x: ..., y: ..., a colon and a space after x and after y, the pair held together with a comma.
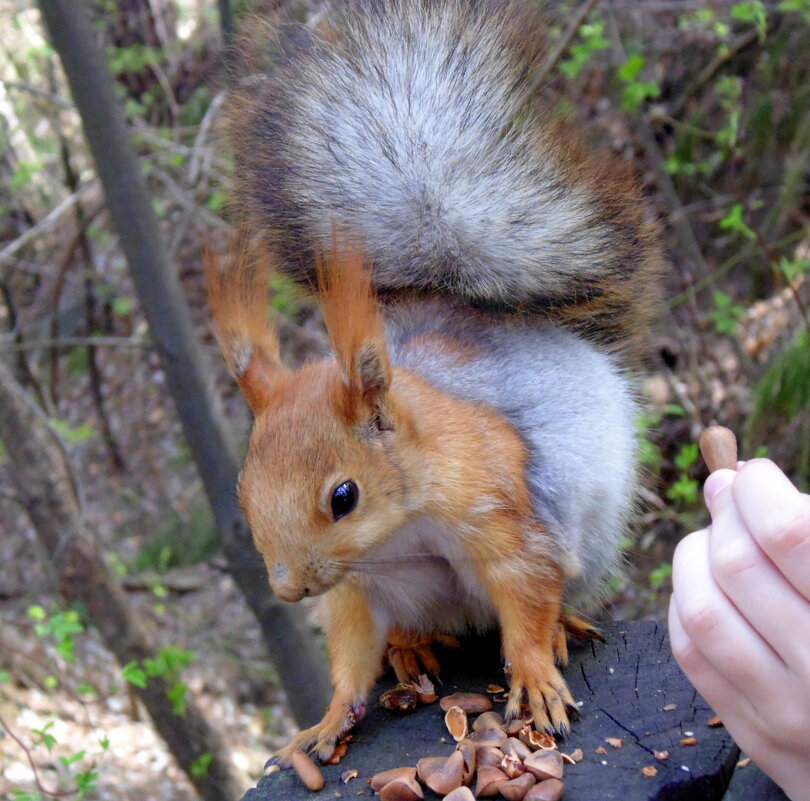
x: 45, y: 483
x: 292, y: 648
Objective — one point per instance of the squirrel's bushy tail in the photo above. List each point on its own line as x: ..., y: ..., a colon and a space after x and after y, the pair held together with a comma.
x: 408, y: 125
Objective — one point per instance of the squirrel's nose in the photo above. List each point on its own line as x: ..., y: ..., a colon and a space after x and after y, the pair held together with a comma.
x: 284, y: 585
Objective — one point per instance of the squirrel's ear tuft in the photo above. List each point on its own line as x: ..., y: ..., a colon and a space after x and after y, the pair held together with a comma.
x: 238, y: 287
x: 355, y: 325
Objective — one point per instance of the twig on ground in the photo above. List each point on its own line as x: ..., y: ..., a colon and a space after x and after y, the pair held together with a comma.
x: 32, y: 764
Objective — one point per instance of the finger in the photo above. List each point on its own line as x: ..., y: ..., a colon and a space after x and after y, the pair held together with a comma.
x: 747, y: 577
x: 757, y: 729
x: 778, y: 517
x: 716, y: 483
x: 715, y: 627
x: 722, y: 695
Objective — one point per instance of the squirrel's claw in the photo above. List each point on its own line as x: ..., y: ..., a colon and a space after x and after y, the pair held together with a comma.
x: 313, y: 741
x: 549, y: 700
x: 320, y: 739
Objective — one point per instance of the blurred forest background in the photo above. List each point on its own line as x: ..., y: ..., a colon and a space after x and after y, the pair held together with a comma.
x: 120, y: 590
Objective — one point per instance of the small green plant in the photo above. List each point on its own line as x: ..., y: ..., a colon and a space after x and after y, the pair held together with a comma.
x: 43, y: 737
x: 25, y: 795
x: 73, y: 435
x: 801, y: 7
x: 167, y: 665
x: 62, y: 626
x: 134, y: 674
x: 134, y: 58
x: 636, y: 91
x: 200, y: 766
x: 729, y: 90
x: 659, y: 575
x: 592, y: 40
x: 734, y: 221
x: 726, y: 314
x: 685, y: 489
x: 793, y: 268
x: 752, y: 11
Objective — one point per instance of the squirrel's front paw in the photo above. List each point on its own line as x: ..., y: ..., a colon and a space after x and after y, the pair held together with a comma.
x: 321, y: 738
x: 548, y: 695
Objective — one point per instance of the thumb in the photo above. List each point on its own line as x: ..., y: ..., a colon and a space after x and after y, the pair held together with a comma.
x: 716, y: 490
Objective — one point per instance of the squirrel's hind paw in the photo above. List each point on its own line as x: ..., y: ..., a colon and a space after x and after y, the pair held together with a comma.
x: 411, y: 654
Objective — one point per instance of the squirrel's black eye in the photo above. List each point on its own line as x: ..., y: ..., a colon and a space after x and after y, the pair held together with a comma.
x: 344, y: 499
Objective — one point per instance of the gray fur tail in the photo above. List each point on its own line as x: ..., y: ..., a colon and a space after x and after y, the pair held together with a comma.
x: 410, y: 124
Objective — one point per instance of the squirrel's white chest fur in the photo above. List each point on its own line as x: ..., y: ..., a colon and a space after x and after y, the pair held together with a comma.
x: 422, y: 579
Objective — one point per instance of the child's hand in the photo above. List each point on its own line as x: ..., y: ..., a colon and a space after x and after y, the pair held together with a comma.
x: 739, y: 618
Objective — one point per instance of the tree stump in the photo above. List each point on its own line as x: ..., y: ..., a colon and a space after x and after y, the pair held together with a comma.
x: 630, y: 689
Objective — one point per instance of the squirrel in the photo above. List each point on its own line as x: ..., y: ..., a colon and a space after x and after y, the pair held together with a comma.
x: 466, y: 459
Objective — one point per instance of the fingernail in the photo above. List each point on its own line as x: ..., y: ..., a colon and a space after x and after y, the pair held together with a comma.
x: 716, y: 482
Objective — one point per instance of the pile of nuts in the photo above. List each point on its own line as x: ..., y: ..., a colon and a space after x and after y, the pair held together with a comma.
x: 491, y: 758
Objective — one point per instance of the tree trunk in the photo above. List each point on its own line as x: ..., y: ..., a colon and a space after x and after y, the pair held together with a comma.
x: 293, y: 649
x: 46, y: 485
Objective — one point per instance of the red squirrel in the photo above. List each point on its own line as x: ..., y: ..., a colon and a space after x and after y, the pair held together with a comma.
x: 466, y: 459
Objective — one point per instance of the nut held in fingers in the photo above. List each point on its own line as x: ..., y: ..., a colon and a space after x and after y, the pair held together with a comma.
x: 719, y: 448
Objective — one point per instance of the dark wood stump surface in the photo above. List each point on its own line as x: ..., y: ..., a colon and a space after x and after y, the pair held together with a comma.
x: 629, y: 688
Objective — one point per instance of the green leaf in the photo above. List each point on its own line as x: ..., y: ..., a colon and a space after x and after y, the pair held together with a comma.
x: 631, y: 68
x: 734, y: 221
x: 67, y: 761
x: 752, y: 11
x: 216, y: 201
x: 123, y: 305
x: 43, y: 737
x: 73, y: 435
x: 25, y: 795
x: 636, y: 94
x: 799, y: 6
x: 687, y: 456
x: 793, y: 268
x: 134, y: 674
x: 177, y: 694
x: 36, y: 613
x: 660, y: 574
x: 4, y: 676
x: 579, y: 54
x: 85, y: 783
x: 726, y: 314
x: 684, y: 490
x: 199, y: 767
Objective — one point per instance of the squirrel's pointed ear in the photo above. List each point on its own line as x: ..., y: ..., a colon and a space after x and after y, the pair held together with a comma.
x: 355, y: 325
x: 238, y: 295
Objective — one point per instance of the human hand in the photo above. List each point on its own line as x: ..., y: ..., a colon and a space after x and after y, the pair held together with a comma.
x: 739, y: 618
